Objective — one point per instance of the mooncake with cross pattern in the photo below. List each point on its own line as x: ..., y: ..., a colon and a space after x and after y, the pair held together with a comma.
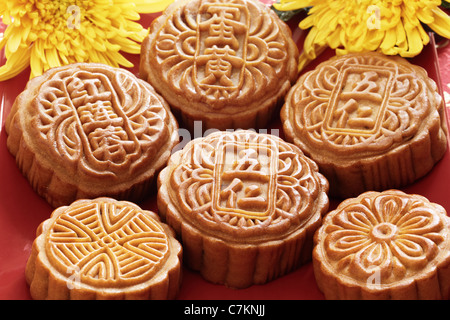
x: 371, y: 122
x: 226, y: 63
x: 89, y: 130
x: 245, y: 206
x: 384, y: 245
x: 104, y: 249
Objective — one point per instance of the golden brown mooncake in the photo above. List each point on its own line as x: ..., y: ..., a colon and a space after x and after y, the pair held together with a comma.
x: 384, y: 245
x: 104, y: 249
x: 244, y: 205
x: 227, y: 63
x: 90, y: 130
x: 370, y: 122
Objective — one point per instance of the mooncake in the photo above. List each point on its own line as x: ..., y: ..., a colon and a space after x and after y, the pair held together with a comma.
x: 371, y: 122
x: 104, y: 249
x: 384, y: 245
x: 220, y: 64
x: 244, y: 205
x: 90, y: 130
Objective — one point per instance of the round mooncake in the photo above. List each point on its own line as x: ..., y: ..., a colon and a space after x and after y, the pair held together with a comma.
x: 226, y: 63
x: 90, y: 130
x: 370, y: 122
x: 104, y: 249
x: 244, y: 205
x: 384, y: 245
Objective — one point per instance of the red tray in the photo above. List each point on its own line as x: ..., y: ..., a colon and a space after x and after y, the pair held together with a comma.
x: 22, y: 210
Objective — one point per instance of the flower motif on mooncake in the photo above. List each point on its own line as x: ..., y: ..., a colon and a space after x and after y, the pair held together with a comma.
x: 388, y: 244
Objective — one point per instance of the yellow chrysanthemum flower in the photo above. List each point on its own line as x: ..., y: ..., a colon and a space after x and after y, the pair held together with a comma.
x: 393, y: 27
x: 48, y: 33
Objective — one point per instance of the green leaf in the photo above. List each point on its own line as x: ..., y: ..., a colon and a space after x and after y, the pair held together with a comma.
x: 287, y: 15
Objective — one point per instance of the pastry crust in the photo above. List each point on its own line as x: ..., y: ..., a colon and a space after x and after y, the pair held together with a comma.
x: 384, y: 245
x: 104, y: 249
x: 89, y: 130
x: 371, y: 122
x: 225, y: 63
x: 244, y: 205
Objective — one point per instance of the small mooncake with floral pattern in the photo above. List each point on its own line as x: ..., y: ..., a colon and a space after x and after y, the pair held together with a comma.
x: 388, y: 245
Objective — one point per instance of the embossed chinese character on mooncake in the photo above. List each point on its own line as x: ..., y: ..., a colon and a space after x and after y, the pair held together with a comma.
x: 89, y: 130
x: 244, y: 204
x: 104, y: 249
x: 371, y: 122
x: 384, y: 245
x: 226, y: 63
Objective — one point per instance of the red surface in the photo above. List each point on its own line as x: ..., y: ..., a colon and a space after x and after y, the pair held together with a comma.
x: 21, y: 210
x: 444, y: 64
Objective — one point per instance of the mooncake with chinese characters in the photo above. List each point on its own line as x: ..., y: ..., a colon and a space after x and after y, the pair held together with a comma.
x: 371, y: 122
x: 90, y: 130
x: 104, y: 249
x: 384, y: 245
x: 244, y: 205
x: 224, y: 63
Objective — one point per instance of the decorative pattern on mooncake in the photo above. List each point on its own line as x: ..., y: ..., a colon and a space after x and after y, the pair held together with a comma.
x: 220, y: 59
x: 104, y: 249
x: 371, y: 122
x: 388, y: 245
x: 240, y: 199
x: 88, y: 130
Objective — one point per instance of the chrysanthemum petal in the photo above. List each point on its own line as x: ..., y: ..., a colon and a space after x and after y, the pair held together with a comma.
x: 94, y: 31
x: 127, y: 45
x: 374, y: 39
x: 14, y: 40
x: 425, y: 16
x: 52, y: 58
x: 120, y: 59
x: 390, y: 26
x: 307, y: 22
x: 152, y: 6
x: 25, y: 33
x: 309, y: 45
x: 415, y: 44
x: 333, y: 39
x: 304, y: 59
x: 36, y: 64
x: 389, y: 40
x: 15, y: 64
x: 287, y: 5
x: 441, y: 23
